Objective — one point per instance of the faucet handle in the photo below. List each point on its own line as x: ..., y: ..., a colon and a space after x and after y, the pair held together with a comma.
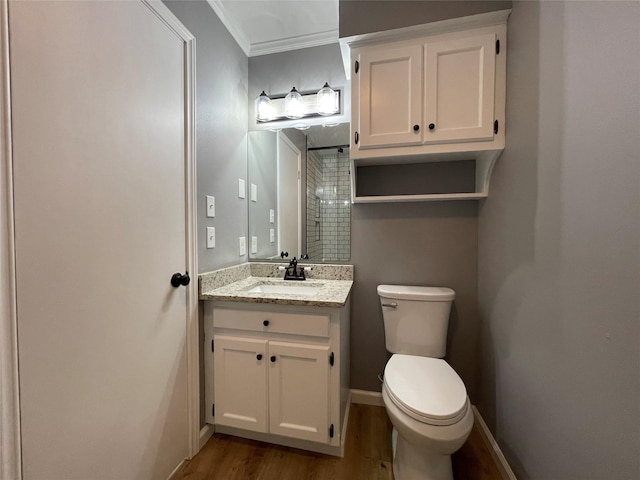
x: 284, y: 254
x: 304, y: 256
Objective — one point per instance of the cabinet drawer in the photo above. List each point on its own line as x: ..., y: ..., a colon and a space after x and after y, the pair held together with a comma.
x: 291, y: 323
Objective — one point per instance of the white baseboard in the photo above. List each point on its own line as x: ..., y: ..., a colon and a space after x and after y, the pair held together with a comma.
x: 177, y: 471
x: 367, y: 397
x: 206, y: 433
x: 492, y: 445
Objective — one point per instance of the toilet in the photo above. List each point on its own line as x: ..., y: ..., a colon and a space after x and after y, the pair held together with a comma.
x: 424, y: 397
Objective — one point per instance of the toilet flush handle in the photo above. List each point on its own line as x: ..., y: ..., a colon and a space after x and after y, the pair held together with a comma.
x: 392, y: 305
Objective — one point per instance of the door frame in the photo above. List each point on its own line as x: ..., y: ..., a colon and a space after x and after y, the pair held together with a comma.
x: 10, y: 440
x: 10, y: 446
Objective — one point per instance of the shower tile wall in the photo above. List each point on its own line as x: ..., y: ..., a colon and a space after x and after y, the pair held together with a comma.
x: 328, y: 211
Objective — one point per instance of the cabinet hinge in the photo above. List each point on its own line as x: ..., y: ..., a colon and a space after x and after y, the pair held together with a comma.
x: 212, y: 345
x: 331, y: 431
x: 213, y: 409
x: 331, y: 359
x: 495, y: 127
x: 357, y: 66
x: 498, y: 47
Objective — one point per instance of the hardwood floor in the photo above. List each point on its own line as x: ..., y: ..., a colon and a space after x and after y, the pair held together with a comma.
x: 367, y: 456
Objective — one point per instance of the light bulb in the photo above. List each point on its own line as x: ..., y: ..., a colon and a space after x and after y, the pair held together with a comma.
x: 293, y: 106
x: 327, y: 100
x: 264, y: 109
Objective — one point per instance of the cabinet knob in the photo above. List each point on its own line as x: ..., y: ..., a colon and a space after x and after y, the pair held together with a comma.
x: 273, y: 358
x: 266, y: 323
x: 432, y: 126
x: 259, y: 356
x: 416, y: 128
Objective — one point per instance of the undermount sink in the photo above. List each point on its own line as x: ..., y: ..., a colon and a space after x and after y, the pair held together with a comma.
x: 286, y: 289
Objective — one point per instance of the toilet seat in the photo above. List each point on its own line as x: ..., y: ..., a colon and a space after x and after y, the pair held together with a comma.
x: 427, y: 389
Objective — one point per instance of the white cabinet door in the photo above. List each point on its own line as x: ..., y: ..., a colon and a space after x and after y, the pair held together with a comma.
x: 240, y: 384
x: 299, y: 390
x: 390, y: 86
x: 459, y: 89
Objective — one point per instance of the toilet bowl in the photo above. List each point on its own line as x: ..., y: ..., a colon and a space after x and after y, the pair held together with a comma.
x: 425, y: 398
x: 428, y: 406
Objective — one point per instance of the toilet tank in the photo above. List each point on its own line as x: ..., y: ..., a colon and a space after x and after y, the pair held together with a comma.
x: 416, y: 319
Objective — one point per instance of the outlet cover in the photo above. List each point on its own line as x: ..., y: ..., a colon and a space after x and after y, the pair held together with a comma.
x: 272, y: 215
x: 272, y: 235
x: 242, y: 246
x: 211, y: 206
x: 254, y: 192
x: 211, y: 237
x: 242, y: 192
x: 254, y: 244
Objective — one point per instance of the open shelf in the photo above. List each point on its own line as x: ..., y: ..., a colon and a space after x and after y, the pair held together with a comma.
x: 430, y: 179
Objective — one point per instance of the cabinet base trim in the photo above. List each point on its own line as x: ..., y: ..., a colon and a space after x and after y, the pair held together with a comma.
x: 336, y: 451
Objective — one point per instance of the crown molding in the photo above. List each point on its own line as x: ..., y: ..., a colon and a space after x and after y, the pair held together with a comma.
x: 294, y: 43
x: 234, y: 30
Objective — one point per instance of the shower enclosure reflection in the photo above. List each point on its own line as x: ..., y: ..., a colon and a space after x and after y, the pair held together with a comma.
x: 313, y: 199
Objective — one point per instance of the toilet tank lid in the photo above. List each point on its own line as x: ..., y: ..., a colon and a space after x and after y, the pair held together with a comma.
x: 425, y: 294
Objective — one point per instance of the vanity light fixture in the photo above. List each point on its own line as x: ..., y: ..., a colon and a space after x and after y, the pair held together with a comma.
x: 264, y: 109
x: 298, y: 105
x: 327, y: 102
x: 293, y: 106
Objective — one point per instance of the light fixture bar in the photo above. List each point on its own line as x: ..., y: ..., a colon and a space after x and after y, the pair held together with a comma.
x: 309, y: 103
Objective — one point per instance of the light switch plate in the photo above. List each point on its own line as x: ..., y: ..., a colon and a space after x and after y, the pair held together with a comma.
x: 211, y: 206
x: 211, y: 237
x: 272, y: 215
x: 272, y: 235
x: 241, y: 188
x: 242, y: 246
x: 254, y: 244
x: 254, y: 192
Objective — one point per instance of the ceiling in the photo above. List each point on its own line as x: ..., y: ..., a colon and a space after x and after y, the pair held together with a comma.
x: 268, y: 26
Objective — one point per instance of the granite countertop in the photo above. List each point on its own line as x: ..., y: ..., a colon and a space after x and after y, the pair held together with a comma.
x: 331, y: 293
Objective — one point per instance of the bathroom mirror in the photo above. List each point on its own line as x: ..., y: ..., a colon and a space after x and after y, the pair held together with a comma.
x: 299, y: 194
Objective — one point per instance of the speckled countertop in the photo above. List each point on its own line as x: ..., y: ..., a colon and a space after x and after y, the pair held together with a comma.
x: 233, y: 285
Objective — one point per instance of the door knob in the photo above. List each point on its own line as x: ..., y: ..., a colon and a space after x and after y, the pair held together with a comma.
x: 265, y: 323
x: 178, y: 279
x: 259, y: 356
x: 416, y: 128
x: 273, y: 358
x: 432, y: 126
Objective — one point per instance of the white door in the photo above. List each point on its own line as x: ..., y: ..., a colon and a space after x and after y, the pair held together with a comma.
x: 299, y: 391
x: 459, y: 90
x: 240, y: 382
x: 390, y: 84
x: 101, y: 155
x: 289, y: 209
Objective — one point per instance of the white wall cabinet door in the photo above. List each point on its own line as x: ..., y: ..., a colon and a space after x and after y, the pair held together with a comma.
x: 390, y: 97
x: 299, y: 390
x: 459, y: 89
x: 241, y: 382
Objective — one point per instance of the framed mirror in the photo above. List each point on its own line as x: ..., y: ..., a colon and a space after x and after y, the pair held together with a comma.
x: 299, y: 200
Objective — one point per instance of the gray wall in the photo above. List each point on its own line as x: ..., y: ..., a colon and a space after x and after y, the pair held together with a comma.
x: 366, y: 16
x: 431, y: 243
x: 559, y: 247
x: 221, y: 121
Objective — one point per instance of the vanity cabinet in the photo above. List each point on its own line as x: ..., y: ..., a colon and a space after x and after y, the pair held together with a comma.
x: 279, y: 373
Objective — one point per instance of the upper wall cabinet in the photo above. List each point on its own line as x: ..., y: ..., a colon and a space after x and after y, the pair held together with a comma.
x: 428, y: 94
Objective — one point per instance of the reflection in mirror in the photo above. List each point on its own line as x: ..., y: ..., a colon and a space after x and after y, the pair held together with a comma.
x: 300, y: 194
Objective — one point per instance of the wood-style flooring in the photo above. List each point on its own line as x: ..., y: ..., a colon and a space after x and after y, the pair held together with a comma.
x: 367, y: 456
